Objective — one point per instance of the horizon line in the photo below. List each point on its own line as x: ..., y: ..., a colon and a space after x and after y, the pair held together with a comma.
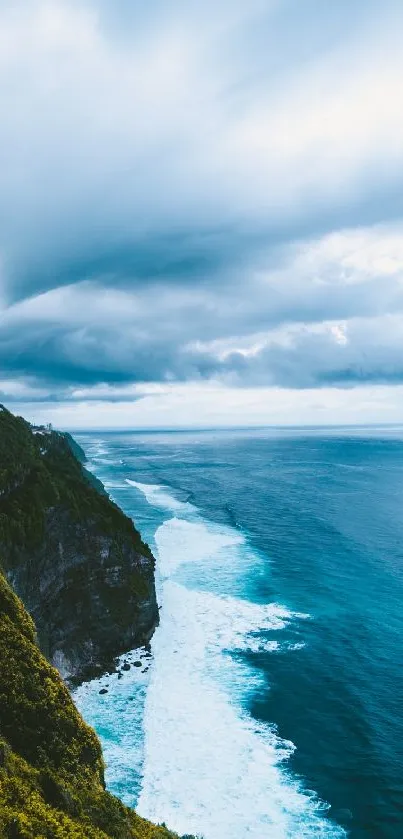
x: 266, y: 427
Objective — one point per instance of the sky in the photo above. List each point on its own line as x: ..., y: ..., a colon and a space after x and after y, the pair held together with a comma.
x: 201, y: 212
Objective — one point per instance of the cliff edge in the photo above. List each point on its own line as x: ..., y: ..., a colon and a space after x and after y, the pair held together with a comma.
x: 77, y: 562
x: 51, y: 767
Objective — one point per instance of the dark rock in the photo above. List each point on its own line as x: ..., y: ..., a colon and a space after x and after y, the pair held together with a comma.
x: 103, y: 690
x: 137, y: 664
x: 126, y: 666
x: 77, y: 562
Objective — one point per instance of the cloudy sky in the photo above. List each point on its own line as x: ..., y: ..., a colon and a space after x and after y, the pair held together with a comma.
x: 201, y: 211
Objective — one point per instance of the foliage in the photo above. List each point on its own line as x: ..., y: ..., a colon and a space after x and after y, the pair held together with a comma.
x: 41, y: 469
x: 51, y: 768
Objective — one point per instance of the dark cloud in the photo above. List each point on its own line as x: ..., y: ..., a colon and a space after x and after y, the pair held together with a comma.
x: 370, y: 352
x: 128, y: 339
x: 171, y: 187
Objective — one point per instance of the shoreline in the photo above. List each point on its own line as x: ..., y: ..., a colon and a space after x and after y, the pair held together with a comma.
x: 190, y: 670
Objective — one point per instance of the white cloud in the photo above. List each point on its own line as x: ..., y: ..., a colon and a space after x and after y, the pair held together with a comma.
x: 210, y: 405
x: 113, y: 139
x: 329, y: 311
x: 192, y: 196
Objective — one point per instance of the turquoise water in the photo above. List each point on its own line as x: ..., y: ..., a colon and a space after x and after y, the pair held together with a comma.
x: 272, y: 706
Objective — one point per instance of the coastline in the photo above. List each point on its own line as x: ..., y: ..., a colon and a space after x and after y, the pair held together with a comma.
x: 189, y: 762
x: 71, y: 554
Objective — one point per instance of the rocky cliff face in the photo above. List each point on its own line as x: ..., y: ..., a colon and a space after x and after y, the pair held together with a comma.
x: 74, y: 558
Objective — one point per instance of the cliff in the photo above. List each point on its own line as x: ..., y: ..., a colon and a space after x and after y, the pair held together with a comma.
x: 73, y: 557
x: 51, y: 768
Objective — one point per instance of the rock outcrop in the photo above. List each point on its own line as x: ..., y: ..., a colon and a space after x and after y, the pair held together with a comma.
x: 77, y: 562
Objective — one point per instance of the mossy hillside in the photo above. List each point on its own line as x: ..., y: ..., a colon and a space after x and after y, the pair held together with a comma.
x: 40, y: 468
x: 51, y: 767
x: 34, y: 700
x: 17, y: 450
x: 76, y: 560
x: 78, y: 452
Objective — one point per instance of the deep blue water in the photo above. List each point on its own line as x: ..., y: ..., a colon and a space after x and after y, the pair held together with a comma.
x: 280, y: 578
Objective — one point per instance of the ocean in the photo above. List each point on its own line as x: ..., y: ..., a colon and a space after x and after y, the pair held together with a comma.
x: 272, y: 705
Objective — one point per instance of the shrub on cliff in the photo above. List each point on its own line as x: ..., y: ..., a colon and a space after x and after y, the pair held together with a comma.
x: 76, y: 560
x: 51, y: 767
x: 39, y: 469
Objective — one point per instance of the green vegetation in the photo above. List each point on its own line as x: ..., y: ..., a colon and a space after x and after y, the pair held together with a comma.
x: 51, y: 768
x: 88, y: 577
x: 41, y: 469
x: 75, y: 559
x: 78, y: 452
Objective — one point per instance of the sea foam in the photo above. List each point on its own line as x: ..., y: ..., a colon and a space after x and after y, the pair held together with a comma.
x: 209, y: 767
x: 179, y: 740
x: 117, y: 716
x: 158, y: 496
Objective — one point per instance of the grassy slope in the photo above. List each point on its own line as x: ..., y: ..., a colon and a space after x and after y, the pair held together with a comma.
x: 38, y: 471
x: 55, y: 515
x: 51, y: 768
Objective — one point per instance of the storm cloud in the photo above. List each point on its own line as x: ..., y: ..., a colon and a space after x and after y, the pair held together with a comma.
x: 200, y: 193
